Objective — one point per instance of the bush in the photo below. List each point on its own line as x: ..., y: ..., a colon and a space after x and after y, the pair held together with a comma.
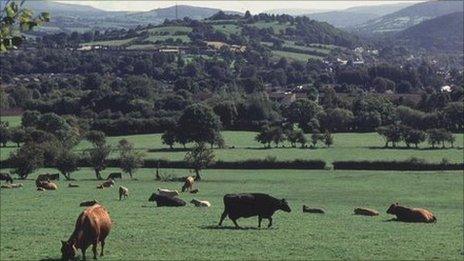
x: 411, y: 164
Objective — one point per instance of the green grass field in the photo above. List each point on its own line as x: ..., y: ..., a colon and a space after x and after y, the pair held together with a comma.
x: 228, y: 28
x: 154, y: 38
x: 112, y: 42
x: 347, y: 146
x: 13, y: 121
x: 33, y: 223
x: 278, y: 27
x: 170, y: 29
x: 294, y: 56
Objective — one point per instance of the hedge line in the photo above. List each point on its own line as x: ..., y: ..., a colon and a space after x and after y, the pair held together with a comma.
x: 396, y: 165
x: 245, y: 164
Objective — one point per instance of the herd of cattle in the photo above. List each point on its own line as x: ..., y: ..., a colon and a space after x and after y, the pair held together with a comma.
x: 94, y: 223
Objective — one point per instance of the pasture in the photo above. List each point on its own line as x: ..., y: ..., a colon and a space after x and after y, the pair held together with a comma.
x: 33, y: 223
x: 302, y: 57
x: 347, y: 146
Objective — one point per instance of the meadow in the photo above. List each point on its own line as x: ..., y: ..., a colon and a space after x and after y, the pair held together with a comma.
x: 33, y: 223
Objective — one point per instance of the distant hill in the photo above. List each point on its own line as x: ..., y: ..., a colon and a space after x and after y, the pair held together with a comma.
x: 356, y: 15
x: 444, y: 34
x: 410, y: 16
x: 70, y: 17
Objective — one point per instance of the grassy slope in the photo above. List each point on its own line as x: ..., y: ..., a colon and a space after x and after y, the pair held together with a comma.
x: 13, y: 121
x: 33, y: 223
x: 294, y: 56
x: 347, y: 146
x: 112, y: 42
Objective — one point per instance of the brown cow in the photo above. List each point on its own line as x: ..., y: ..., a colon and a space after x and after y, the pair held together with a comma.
x: 366, y: 212
x: 88, y: 203
x: 411, y: 214
x: 188, y: 184
x: 92, y: 226
x: 107, y: 184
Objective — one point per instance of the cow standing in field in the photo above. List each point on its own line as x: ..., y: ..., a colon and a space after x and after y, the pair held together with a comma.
x: 252, y: 204
x: 114, y: 175
x: 6, y: 177
x: 92, y: 226
x: 123, y: 192
x: 411, y: 214
x: 188, y: 184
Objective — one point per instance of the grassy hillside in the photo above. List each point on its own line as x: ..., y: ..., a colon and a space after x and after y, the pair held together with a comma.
x: 141, y: 233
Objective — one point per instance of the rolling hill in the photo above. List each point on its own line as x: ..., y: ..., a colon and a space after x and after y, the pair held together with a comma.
x: 353, y: 16
x: 444, y: 34
x: 410, y: 16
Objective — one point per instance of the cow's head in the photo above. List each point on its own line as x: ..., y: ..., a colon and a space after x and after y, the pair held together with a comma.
x: 284, y: 206
x: 152, y: 197
x: 68, y: 250
x: 392, y: 209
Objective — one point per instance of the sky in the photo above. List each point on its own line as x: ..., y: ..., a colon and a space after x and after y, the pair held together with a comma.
x: 241, y: 6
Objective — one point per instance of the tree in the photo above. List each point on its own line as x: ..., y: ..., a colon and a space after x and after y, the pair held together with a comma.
x: 67, y: 162
x: 97, y: 157
x: 391, y: 133
x: 450, y: 138
x: 301, y: 138
x: 27, y: 159
x: 169, y: 138
x: 199, y: 123
x: 30, y: 118
x: 18, y: 135
x: 436, y: 136
x: 264, y: 136
x: 454, y: 112
x: 337, y: 119
x: 96, y: 137
x: 302, y: 112
x: 413, y: 136
x: 129, y: 159
x: 5, y: 135
x: 199, y: 158
x: 293, y: 136
x: 278, y: 135
x: 14, y: 20
x: 328, y: 138
x: 315, y: 137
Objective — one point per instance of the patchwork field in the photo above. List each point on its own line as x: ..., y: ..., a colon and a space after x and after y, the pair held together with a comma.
x: 33, y: 223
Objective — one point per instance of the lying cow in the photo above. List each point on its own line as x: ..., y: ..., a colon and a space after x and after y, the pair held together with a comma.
x: 107, y: 184
x: 6, y: 177
x: 252, y: 204
x: 200, y: 203
x: 411, y: 214
x: 123, y: 192
x: 188, y: 184
x: 164, y: 201
x: 307, y: 209
x: 47, y: 185
x: 168, y: 192
x: 366, y: 212
x: 88, y: 203
x: 12, y: 186
x: 115, y: 175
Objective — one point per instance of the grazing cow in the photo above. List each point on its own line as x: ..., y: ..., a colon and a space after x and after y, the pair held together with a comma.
x: 201, y: 203
x: 6, y: 177
x: 366, y: 212
x: 12, y: 186
x: 107, y: 184
x: 72, y: 185
x: 48, y: 185
x: 168, y: 192
x: 164, y: 201
x: 88, y: 203
x: 92, y: 226
x: 194, y: 191
x: 411, y: 214
x: 252, y: 204
x: 115, y: 175
x: 188, y: 184
x: 307, y: 209
x: 123, y: 191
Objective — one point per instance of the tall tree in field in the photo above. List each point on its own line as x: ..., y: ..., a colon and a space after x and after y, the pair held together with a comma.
x: 98, y: 154
x: 328, y: 138
x: 5, y: 134
x: 129, y: 159
x: 199, y: 158
x: 14, y: 20
x: 18, y: 135
x: 67, y: 162
x: 199, y: 123
x: 27, y: 159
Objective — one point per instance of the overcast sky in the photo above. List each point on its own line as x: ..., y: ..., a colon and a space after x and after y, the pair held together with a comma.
x: 242, y: 6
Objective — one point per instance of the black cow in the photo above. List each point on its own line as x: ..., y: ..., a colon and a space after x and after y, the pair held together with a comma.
x: 114, y: 175
x: 252, y: 204
x: 165, y: 201
x: 6, y: 177
x: 55, y: 176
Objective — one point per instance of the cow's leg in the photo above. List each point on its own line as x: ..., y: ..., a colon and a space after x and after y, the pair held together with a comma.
x: 83, y: 253
x: 259, y: 221
x: 270, y: 222
x: 235, y: 223
x: 102, y: 246
x: 94, y: 250
x: 223, y: 216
